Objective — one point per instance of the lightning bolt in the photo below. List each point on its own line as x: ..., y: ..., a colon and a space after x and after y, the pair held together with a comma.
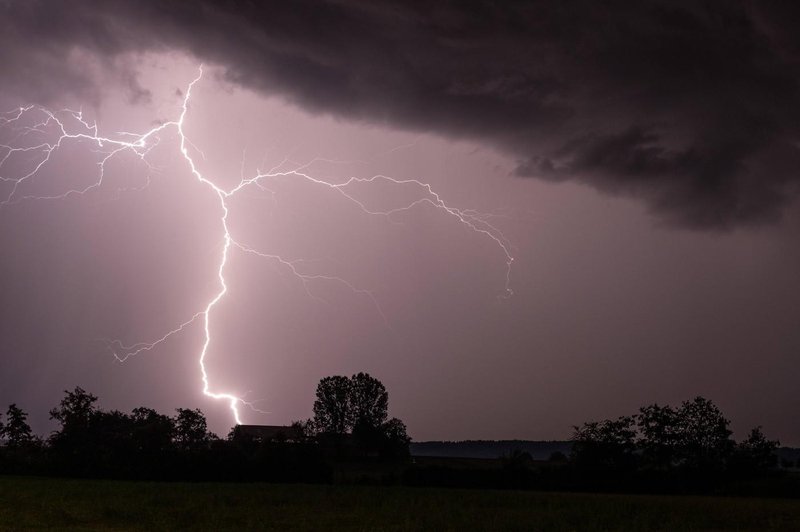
x: 141, y: 144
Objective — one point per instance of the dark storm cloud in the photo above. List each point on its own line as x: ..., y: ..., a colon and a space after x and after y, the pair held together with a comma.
x: 692, y: 107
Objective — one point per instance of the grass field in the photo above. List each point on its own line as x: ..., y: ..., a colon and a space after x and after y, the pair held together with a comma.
x: 56, y: 504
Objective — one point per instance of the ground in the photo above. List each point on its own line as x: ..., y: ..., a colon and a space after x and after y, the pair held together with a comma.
x: 59, y: 504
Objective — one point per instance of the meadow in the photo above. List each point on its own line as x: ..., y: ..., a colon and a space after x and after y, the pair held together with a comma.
x: 28, y: 503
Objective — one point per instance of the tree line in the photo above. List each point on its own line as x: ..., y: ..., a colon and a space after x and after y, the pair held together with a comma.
x: 146, y: 444
x: 659, y: 449
x: 693, y: 437
x: 684, y: 449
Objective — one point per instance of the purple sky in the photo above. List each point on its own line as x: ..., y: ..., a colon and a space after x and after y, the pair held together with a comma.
x: 647, y: 195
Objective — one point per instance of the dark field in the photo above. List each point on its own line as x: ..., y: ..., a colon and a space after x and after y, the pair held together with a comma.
x: 31, y: 503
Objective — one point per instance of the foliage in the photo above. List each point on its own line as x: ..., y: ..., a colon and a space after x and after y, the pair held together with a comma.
x: 688, y: 449
x: 332, y: 412
x: 704, y: 439
x: 396, y: 438
x: 368, y: 401
x: 142, y: 444
x: 304, y: 428
x: 756, y: 452
x: 77, y: 444
x: 356, y: 409
x: 606, y: 444
x: 659, y: 436
x: 152, y: 432
x: 16, y: 432
x: 691, y: 442
x: 191, y: 430
x: 75, y: 409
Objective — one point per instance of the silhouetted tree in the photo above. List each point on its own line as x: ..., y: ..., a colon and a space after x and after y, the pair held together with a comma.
x: 704, y: 439
x: 368, y: 401
x: 152, y: 432
x: 608, y: 444
x: 658, y: 436
x: 91, y: 442
x: 332, y: 413
x: 756, y: 452
x: 305, y: 430
x: 358, y: 406
x: 75, y: 409
x: 74, y: 447
x: 690, y: 446
x: 396, y: 439
x: 191, y: 429
x: 110, y: 436
x: 16, y: 432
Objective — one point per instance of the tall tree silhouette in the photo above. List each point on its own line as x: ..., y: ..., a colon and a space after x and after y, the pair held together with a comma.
x: 16, y: 432
x: 332, y: 413
x: 74, y: 448
x: 368, y: 401
x: 191, y: 429
x: 704, y: 437
x: 658, y: 436
x: 75, y: 409
x: 357, y: 406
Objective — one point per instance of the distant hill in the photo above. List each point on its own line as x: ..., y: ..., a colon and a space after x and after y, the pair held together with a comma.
x: 539, y: 450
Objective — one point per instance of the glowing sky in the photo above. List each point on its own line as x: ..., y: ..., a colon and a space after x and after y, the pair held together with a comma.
x: 619, y: 299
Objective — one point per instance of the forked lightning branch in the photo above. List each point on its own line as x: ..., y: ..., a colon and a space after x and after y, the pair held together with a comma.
x: 37, y: 133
